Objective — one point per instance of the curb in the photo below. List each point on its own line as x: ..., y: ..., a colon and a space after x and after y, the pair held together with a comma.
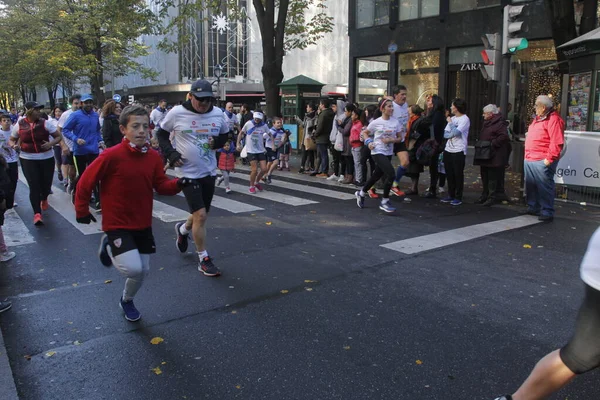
x: 8, y: 390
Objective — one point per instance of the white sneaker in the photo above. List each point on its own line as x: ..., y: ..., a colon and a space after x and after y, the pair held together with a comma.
x: 227, y: 190
x: 441, y: 190
x: 9, y: 255
x: 333, y: 177
x: 341, y: 179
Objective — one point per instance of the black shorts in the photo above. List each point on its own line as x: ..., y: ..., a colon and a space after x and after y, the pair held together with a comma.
x: 123, y: 240
x: 257, y: 157
x: 582, y: 353
x: 399, y: 147
x: 271, y: 155
x: 199, y: 195
x: 68, y: 159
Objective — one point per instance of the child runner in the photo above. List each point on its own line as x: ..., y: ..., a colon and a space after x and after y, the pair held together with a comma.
x: 284, y: 153
x: 274, y: 140
x: 386, y: 132
x: 128, y: 171
x: 254, y: 131
x: 226, y: 165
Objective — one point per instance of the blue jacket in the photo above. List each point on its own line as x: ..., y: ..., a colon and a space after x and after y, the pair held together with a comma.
x: 82, y: 125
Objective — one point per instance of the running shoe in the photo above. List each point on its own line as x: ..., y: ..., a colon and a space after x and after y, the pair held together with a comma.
x: 5, y: 305
x: 131, y: 313
x: 103, y: 252
x: 398, y: 192
x: 182, y: 240
x: 360, y: 200
x: 269, y: 179
x: 301, y: 170
x: 456, y: 202
x: 505, y: 397
x: 258, y: 187
x: 44, y: 205
x: 387, y: 207
x: 341, y: 179
x: 441, y: 190
x: 447, y: 199
x: 252, y: 190
x: 37, y: 220
x: 220, y: 180
x: 373, y: 194
x: 7, y: 256
x: 332, y: 177
x: 60, y: 175
x: 208, y: 268
x: 227, y: 190
x: 97, y: 206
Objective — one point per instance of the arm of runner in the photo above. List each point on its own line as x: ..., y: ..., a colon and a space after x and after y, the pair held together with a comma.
x: 67, y: 129
x: 239, y: 139
x: 170, y: 153
x: 162, y: 184
x: 51, y: 128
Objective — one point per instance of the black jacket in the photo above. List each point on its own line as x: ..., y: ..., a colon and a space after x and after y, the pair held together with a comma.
x: 324, y: 124
x: 111, y: 134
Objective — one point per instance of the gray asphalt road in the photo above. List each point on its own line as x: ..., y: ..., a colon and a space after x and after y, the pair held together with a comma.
x: 310, y: 306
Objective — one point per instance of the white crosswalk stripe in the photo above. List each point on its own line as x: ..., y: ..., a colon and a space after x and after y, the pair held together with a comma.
x: 273, y: 196
x: 15, y: 231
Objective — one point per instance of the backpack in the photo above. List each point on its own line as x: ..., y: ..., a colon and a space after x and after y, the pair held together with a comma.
x: 427, y: 150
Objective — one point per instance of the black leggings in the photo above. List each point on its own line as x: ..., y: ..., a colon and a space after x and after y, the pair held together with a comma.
x: 454, y: 163
x: 39, y: 174
x: 383, y: 167
x: 338, y: 168
x: 348, y: 163
x: 365, y: 156
x: 81, y: 163
x: 582, y: 353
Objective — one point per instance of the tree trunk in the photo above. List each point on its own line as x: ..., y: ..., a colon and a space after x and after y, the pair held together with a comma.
x: 51, y: 97
x: 97, y: 81
x: 270, y: 81
x: 562, y: 22
x: 588, y: 19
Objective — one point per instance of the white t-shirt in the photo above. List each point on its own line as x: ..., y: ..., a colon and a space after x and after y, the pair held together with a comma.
x: 254, y: 137
x: 401, y: 114
x: 51, y: 128
x: 61, y: 122
x: 156, y: 116
x: 380, y: 128
x: 8, y: 152
x: 274, y: 138
x: 456, y: 144
x: 233, y: 121
x: 191, y: 133
x: 590, y: 266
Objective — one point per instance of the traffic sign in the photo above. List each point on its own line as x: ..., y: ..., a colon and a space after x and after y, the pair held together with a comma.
x: 117, y: 97
x: 393, y: 47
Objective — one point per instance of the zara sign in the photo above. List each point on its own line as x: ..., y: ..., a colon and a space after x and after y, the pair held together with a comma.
x: 470, y: 67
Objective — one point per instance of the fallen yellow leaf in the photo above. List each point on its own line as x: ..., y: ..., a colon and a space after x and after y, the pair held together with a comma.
x: 268, y: 223
x: 527, y: 246
x: 346, y: 347
x: 27, y: 357
x: 234, y: 312
x: 157, y: 340
x: 157, y: 370
x: 238, y: 386
x: 108, y: 281
x: 419, y: 362
x: 163, y: 363
x: 308, y: 289
x: 309, y: 281
x: 74, y: 285
x: 50, y: 353
x: 284, y: 291
x: 77, y: 343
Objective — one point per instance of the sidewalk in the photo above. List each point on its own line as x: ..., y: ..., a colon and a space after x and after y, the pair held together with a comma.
x: 8, y: 390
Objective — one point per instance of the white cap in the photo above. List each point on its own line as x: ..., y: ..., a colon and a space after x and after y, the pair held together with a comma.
x: 258, y: 115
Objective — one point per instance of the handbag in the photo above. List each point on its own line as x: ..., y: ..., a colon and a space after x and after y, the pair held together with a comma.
x: 427, y: 150
x: 244, y: 152
x: 339, y: 142
x: 483, y: 150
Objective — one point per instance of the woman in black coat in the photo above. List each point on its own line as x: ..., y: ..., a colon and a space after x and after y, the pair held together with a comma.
x: 495, y: 131
x: 436, y: 117
x: 111, y: 134
x: 418, y: 133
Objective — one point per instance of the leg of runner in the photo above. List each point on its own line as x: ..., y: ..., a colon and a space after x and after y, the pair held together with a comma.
x: 263, y: 171
x: 360, y: 194
x: 33, y: 177
x: 134, y: 266
x: 404, y: 161
x: 253, y: 173
x: 384, y: 164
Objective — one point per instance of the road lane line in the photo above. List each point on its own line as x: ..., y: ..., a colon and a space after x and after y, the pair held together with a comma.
x: 273, y: 196
x: 15, y: 230
x: 168, y: 213
x: 453, y: 236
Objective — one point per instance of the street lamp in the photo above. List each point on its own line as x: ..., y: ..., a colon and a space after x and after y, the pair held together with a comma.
x: 218, y: 73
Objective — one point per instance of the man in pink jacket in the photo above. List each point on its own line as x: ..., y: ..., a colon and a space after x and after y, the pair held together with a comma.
x: 542, y: 150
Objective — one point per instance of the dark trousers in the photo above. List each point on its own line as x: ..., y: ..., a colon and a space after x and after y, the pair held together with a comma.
x: 39, y: 174
x: 307, y: 156
x: 324, y: 157
x: 337, y: 161
x: 13, y: 175
x: 81, y: 163
x: 365, y: 157
x: 433, y: 174
x: 490, y: 177
x: 383, y: 167
x: 348, y: 165
x: 454, y: 163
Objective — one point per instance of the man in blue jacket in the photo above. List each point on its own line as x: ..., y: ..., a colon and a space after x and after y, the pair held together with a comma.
x: 83, y: 128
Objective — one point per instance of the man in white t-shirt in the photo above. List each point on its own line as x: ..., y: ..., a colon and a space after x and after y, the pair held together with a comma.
x: 198, y: 129
x: 68, y: 167
x: 158, y: 114
x: 399, y: 94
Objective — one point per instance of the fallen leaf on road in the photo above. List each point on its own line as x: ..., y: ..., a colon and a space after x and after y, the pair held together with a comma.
x: 308, y: 289
x: 313, y: 212
x: 51, y: 290
x: 234, y: 312
x: 77, y: 343
x: 108, y: 281
x: 284, y: 291
x: 238, y: 386
x: 346, y: 348
x: 50, y: 353
x: 161, y: 268
x: 157, y: 370
x: 27, y: 357
x: 268, y: 223
x: 74, y: 285
x: 526, y: 246
x: 309, y: 281
x: 157, y: 340
x: 163, y: 363
x: 419, y: 362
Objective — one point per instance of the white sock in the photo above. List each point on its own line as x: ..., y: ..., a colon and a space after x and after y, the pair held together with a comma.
x: 183, y: 230
x: 384, y: 201
x: 202, y: 254
x: 362, y: 193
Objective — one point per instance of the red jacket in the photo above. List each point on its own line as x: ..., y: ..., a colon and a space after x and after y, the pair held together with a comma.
x: 32, y: 135
x: 127, y: 177
x: 545, y: 138
x: 355, y: 134
x: 226, y: 161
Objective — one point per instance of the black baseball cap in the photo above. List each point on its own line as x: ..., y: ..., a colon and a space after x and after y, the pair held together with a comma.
x: 33, y: 104
x: 202, y: 88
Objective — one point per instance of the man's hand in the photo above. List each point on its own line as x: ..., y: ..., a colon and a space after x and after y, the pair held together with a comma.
x: 46, y: 146
x: 87, y: 219
x: 80, y: 142
x: 183, y: 182
x: 547, y: 162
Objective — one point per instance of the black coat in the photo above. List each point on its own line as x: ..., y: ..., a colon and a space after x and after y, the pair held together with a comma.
x: 419, y: 133
x: 495, y: 130
x: 5, y: 186
x: 111, y: 134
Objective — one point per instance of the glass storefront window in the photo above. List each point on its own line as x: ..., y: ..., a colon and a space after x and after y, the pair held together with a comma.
x: 413, y: 9
x: 373, y: 75
x: 468, y: 5
x: 372, y: 13
x: 465, y: 55
x: 419, y: 72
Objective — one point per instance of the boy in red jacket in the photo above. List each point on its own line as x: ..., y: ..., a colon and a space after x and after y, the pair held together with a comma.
x: 128, y: 172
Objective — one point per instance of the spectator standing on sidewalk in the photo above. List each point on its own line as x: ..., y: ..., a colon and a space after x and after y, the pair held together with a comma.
x: 494, y: 133
x: 543, y: 146
x: 324, y: 124
x: 418, y: 133
x: 347, y: 169
x: 437, y: 120
x: 455, y: 153
x: 309, y: 146
x: 582, y: 353
x: 369, y: 116
x: 356, y: 144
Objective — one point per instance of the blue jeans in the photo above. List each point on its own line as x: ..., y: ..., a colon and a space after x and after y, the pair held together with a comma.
x: 324, y: 156
x: 539, y: 186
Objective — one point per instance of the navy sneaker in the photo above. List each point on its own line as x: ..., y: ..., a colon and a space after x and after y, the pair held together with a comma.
x: 208, y: 268
x: 131, y: 313
x: 103, y: 253
x: 268, y: 179
x: 387, y: 207
x: 182, y: 240
x: 456, y: 202
x: 360, y: 200
x: 447, y: 200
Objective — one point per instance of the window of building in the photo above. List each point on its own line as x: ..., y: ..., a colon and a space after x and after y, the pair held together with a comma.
x: 372, y: 12
x: 465, y: 55
x: 373, y: 75
x: 413, y: 9
x: 467, y: 5
x: 419, y: 72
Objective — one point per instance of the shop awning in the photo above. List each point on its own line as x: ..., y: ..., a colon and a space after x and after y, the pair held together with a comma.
x: 583, y: 45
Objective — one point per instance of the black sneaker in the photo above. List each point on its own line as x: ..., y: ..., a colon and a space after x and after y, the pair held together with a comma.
x: 131, y: 313
x: 182, y: 240
x: 360, y: 200
x: 103, y: 253
x: 546, y: 218
x: 5, y: 305
x: 488, y: 203
x: 268, y: 179
x: 208, y: 268
x: 301, y: 170
x: 529, y: 211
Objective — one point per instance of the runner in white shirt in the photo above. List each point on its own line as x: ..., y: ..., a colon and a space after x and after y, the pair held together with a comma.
x: 158, y: 114
x: 386, y: 132
x: 401, y: 114
x: 68, y: 166
x: 198, y: 129
x: 255, y: 131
